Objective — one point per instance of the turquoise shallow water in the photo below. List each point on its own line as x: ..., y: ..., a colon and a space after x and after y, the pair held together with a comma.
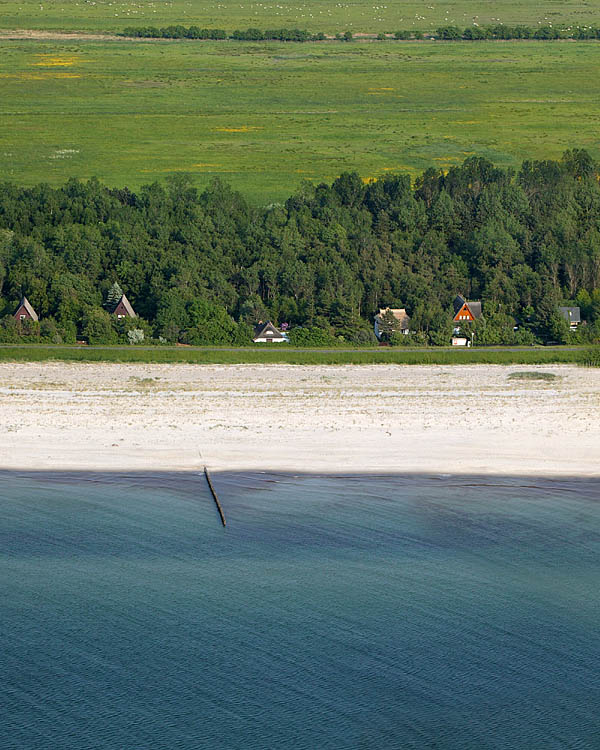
x: 333, y: 612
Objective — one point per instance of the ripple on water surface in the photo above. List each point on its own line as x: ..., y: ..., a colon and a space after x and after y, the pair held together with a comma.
x: 332, y: 612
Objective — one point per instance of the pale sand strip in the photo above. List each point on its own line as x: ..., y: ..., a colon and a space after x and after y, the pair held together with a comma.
x: 380, y: 418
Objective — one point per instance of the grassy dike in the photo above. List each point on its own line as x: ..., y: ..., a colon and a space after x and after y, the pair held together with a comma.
x: 286, y: 355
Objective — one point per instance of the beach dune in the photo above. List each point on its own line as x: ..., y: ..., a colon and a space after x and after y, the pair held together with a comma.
x: 384, y: 418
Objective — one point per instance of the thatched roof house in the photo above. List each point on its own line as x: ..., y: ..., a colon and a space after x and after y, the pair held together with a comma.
x: 267, y: 333
x: 399, y: 314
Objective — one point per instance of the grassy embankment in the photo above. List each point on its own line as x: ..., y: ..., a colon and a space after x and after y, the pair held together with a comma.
x: 265, y: 116
x: 314, y: 15
x: 281, y: 354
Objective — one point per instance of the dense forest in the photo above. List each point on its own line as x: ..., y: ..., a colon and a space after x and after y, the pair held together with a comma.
x: 202, y: 267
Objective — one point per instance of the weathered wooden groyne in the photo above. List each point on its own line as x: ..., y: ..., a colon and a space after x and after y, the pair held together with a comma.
x: 215, y: 496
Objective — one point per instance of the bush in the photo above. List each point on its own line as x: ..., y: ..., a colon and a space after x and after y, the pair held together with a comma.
x: 312, y: 336
x: 135, y: 336
x: 448, y: 33
x: 97, y: 327
x: 8, y: 330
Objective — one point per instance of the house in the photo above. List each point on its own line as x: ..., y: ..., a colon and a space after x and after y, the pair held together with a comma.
x: 266, y: 333
x: 123, y: 309
x: 401, y: 316
x: 466, y: 311
x: 25, y: 311
x: 572, y: 315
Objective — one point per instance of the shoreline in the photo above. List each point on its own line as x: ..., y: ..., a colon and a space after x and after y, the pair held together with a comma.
x: 316, y: 420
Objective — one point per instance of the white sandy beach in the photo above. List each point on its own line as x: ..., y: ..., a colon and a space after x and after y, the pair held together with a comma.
x: 381, y: 418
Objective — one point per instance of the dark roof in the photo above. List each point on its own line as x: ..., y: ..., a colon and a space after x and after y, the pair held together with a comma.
x: 572, y: 314
x: 267, y: 330
x: 26, y: 304
x: 458, y: 303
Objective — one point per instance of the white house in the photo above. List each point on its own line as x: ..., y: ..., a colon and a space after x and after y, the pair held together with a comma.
x: 266, y: 333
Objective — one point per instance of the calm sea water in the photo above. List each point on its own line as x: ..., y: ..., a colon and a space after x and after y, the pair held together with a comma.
x: 333, y: 612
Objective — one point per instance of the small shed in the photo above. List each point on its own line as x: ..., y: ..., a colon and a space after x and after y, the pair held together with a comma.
x: 25, y: 311
x: 267, y: 333
x: 401, y: 316
x: 460, y: 341
x: 572, y: 315
x: 123, y: 309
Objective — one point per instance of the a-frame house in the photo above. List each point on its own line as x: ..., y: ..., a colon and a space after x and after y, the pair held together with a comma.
x: 123, y: 309
x: 466, y: 311
x: 25, y: 311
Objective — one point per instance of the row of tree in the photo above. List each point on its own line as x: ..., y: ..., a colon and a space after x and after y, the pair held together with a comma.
x: 445, y: 33
x: 203, y: 267
x: 250, y: 35
x: 500, y: 31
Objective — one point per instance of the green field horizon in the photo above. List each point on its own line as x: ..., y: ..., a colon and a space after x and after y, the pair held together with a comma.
x: 313, y: 15
x: 263, y: 117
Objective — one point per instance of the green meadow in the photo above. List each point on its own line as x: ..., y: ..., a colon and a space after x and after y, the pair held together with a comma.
x: 265, y: 116
x: 314, y: 15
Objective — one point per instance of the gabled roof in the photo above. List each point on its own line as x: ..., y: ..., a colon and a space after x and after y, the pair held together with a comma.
x: 26, y: 304
x: 127, y: 305
x: 267, y: 331
x: 399, y: 313
x: 473, y: 305
x: 572, y: 314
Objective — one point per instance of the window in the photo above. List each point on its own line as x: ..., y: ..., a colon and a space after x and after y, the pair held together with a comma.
x: 22, y: 317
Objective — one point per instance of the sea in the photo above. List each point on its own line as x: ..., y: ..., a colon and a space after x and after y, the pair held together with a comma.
x: 346, y: 612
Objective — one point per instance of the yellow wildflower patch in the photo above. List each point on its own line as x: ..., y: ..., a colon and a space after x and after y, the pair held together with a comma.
x: 41, y: 76
x: 54, y: 61
x: 242, y: 129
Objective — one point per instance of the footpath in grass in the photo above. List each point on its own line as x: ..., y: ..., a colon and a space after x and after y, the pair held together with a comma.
x: 285, y: 355
x: 265, y: 116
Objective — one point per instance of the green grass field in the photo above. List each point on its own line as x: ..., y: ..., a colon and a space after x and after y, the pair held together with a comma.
x: 286, y: 355
x: 265, y: 116
x: 314, y: 15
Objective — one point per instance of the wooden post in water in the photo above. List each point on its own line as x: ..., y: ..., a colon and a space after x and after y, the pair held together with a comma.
x: 215, y: 496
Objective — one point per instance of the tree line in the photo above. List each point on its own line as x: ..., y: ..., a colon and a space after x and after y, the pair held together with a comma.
x: 443, y: 33
x: 204, y: 266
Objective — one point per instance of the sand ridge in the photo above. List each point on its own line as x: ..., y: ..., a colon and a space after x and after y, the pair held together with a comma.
x: 380, y: 418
